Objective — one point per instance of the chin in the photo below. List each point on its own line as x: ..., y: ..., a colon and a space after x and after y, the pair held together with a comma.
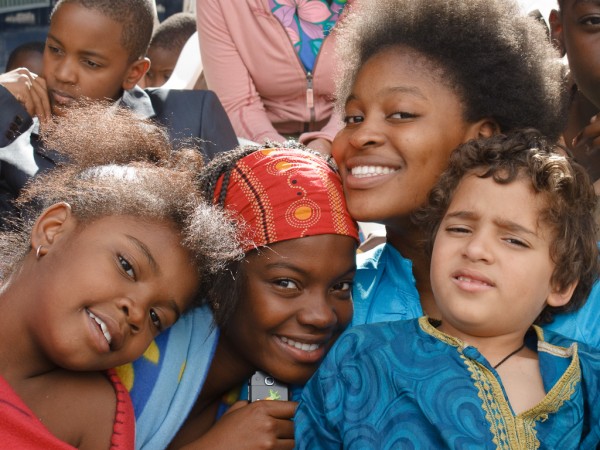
x: 298, y: 376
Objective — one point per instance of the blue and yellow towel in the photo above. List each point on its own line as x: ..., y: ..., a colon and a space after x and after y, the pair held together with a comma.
x: 165, y: 382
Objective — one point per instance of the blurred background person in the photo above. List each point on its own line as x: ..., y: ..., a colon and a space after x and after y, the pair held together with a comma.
x: 272, y: 65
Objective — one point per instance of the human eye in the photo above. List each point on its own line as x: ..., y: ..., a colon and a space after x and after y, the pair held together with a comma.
x: 343, y: 286
x: 592, y: 21
x: 127, y: 267
x: 155, y: 318
x: 342, y: 289
x: 91, y: 64
x: 457, y: 229
x: 401, y: 115
x: 286, y: 283
x: 350, y: 120
x: 516, y: 242
x: 53, y: 49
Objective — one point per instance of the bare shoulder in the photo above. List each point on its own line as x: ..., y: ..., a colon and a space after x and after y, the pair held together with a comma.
x: 81, y: 409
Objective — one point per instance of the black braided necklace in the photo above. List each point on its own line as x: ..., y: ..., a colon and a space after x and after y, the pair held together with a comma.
x: 513, y: 353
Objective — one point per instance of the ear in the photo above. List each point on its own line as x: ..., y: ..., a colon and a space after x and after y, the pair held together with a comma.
x: 561, y: 297
x: 556, y: 32
x: 51, y: 224
x: 484, y: 128
x: 136, y: 71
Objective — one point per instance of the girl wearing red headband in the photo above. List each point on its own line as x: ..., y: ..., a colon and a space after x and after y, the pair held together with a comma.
x: 278, y: 310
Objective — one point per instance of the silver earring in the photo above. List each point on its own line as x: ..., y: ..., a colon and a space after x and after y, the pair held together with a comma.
x: 38, y: 251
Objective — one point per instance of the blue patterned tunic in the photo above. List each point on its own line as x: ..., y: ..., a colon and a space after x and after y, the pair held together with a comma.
x: 405, y: 385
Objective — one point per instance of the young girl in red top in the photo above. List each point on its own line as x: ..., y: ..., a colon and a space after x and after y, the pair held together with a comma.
x: 110, y: 254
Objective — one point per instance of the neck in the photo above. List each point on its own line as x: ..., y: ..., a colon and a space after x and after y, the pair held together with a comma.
x: 227, y: 371
x: 20, y: 357
x: 408, y: 240
x: 493, y: 348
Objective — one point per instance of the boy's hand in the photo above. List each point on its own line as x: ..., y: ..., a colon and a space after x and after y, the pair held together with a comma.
x: 253, y: 426
x: 30, y: 90
x: 586, y: 147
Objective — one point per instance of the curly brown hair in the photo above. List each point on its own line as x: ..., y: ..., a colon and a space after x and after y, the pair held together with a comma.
x: 119, y: 164
x: 570, y: 202
x: 498, y: 61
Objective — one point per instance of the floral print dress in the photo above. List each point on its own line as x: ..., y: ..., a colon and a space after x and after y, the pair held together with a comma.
x: 307, y: 23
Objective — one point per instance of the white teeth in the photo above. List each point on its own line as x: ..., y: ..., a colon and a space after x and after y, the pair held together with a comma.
x: 103, y: 326
x: 371, y: 171
x: 299, y: 345
x: 470, y: 280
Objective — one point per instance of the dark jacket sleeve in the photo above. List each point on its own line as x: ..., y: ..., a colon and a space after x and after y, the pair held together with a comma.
x: 194, y: 114
x: 14, y: 119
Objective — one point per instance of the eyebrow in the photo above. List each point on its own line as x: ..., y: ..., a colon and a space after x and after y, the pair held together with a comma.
x: 411, y: 90
x: 145, y: 251
x: 283, y: 265
x: 87, y: 53
x: 502, y: 223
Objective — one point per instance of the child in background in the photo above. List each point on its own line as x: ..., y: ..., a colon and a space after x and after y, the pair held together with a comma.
x: 109, y: 255
x: 167, y: 41
x: 287, y: 303
x: 95, y: 49
x: 513, y: 242
x: 28, y: 55
x: 575, y: 31
x: 272, y: 65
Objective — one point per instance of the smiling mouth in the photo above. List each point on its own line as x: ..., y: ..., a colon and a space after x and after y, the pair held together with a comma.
x: 371, y: 171
x: 300, y: 345
x: 102, y: 326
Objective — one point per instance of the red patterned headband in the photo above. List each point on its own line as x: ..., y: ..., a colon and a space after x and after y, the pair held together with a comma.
x: 286, y: 194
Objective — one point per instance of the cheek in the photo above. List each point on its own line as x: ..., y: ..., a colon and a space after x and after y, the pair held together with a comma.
x: 344, y: 312
x: 339, y: 146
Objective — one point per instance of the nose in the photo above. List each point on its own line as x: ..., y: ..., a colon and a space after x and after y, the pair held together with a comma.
x: 366, y: 135
x: 478, y: 248
x: 135, y: 313
x: 65, y: 71
x: 318, y: 313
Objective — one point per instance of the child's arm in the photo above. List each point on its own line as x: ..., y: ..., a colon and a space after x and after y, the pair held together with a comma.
x: 30, y: 90
x: 78, y: 408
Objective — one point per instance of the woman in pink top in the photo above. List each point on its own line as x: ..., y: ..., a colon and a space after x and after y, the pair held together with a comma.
x: 271, y: 63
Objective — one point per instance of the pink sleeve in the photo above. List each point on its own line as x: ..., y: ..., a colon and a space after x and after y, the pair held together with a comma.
x: 227, y: 75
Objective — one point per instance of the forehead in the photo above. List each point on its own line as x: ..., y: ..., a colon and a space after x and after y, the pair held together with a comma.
x: 162, y: 58
x: 567, y: 4
x: 516, y: 201
x: 86, y: 29
x: 402, y: 65
x: 304, y: 253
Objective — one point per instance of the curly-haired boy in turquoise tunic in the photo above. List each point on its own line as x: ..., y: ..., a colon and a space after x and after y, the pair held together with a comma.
x: 513, y: 241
